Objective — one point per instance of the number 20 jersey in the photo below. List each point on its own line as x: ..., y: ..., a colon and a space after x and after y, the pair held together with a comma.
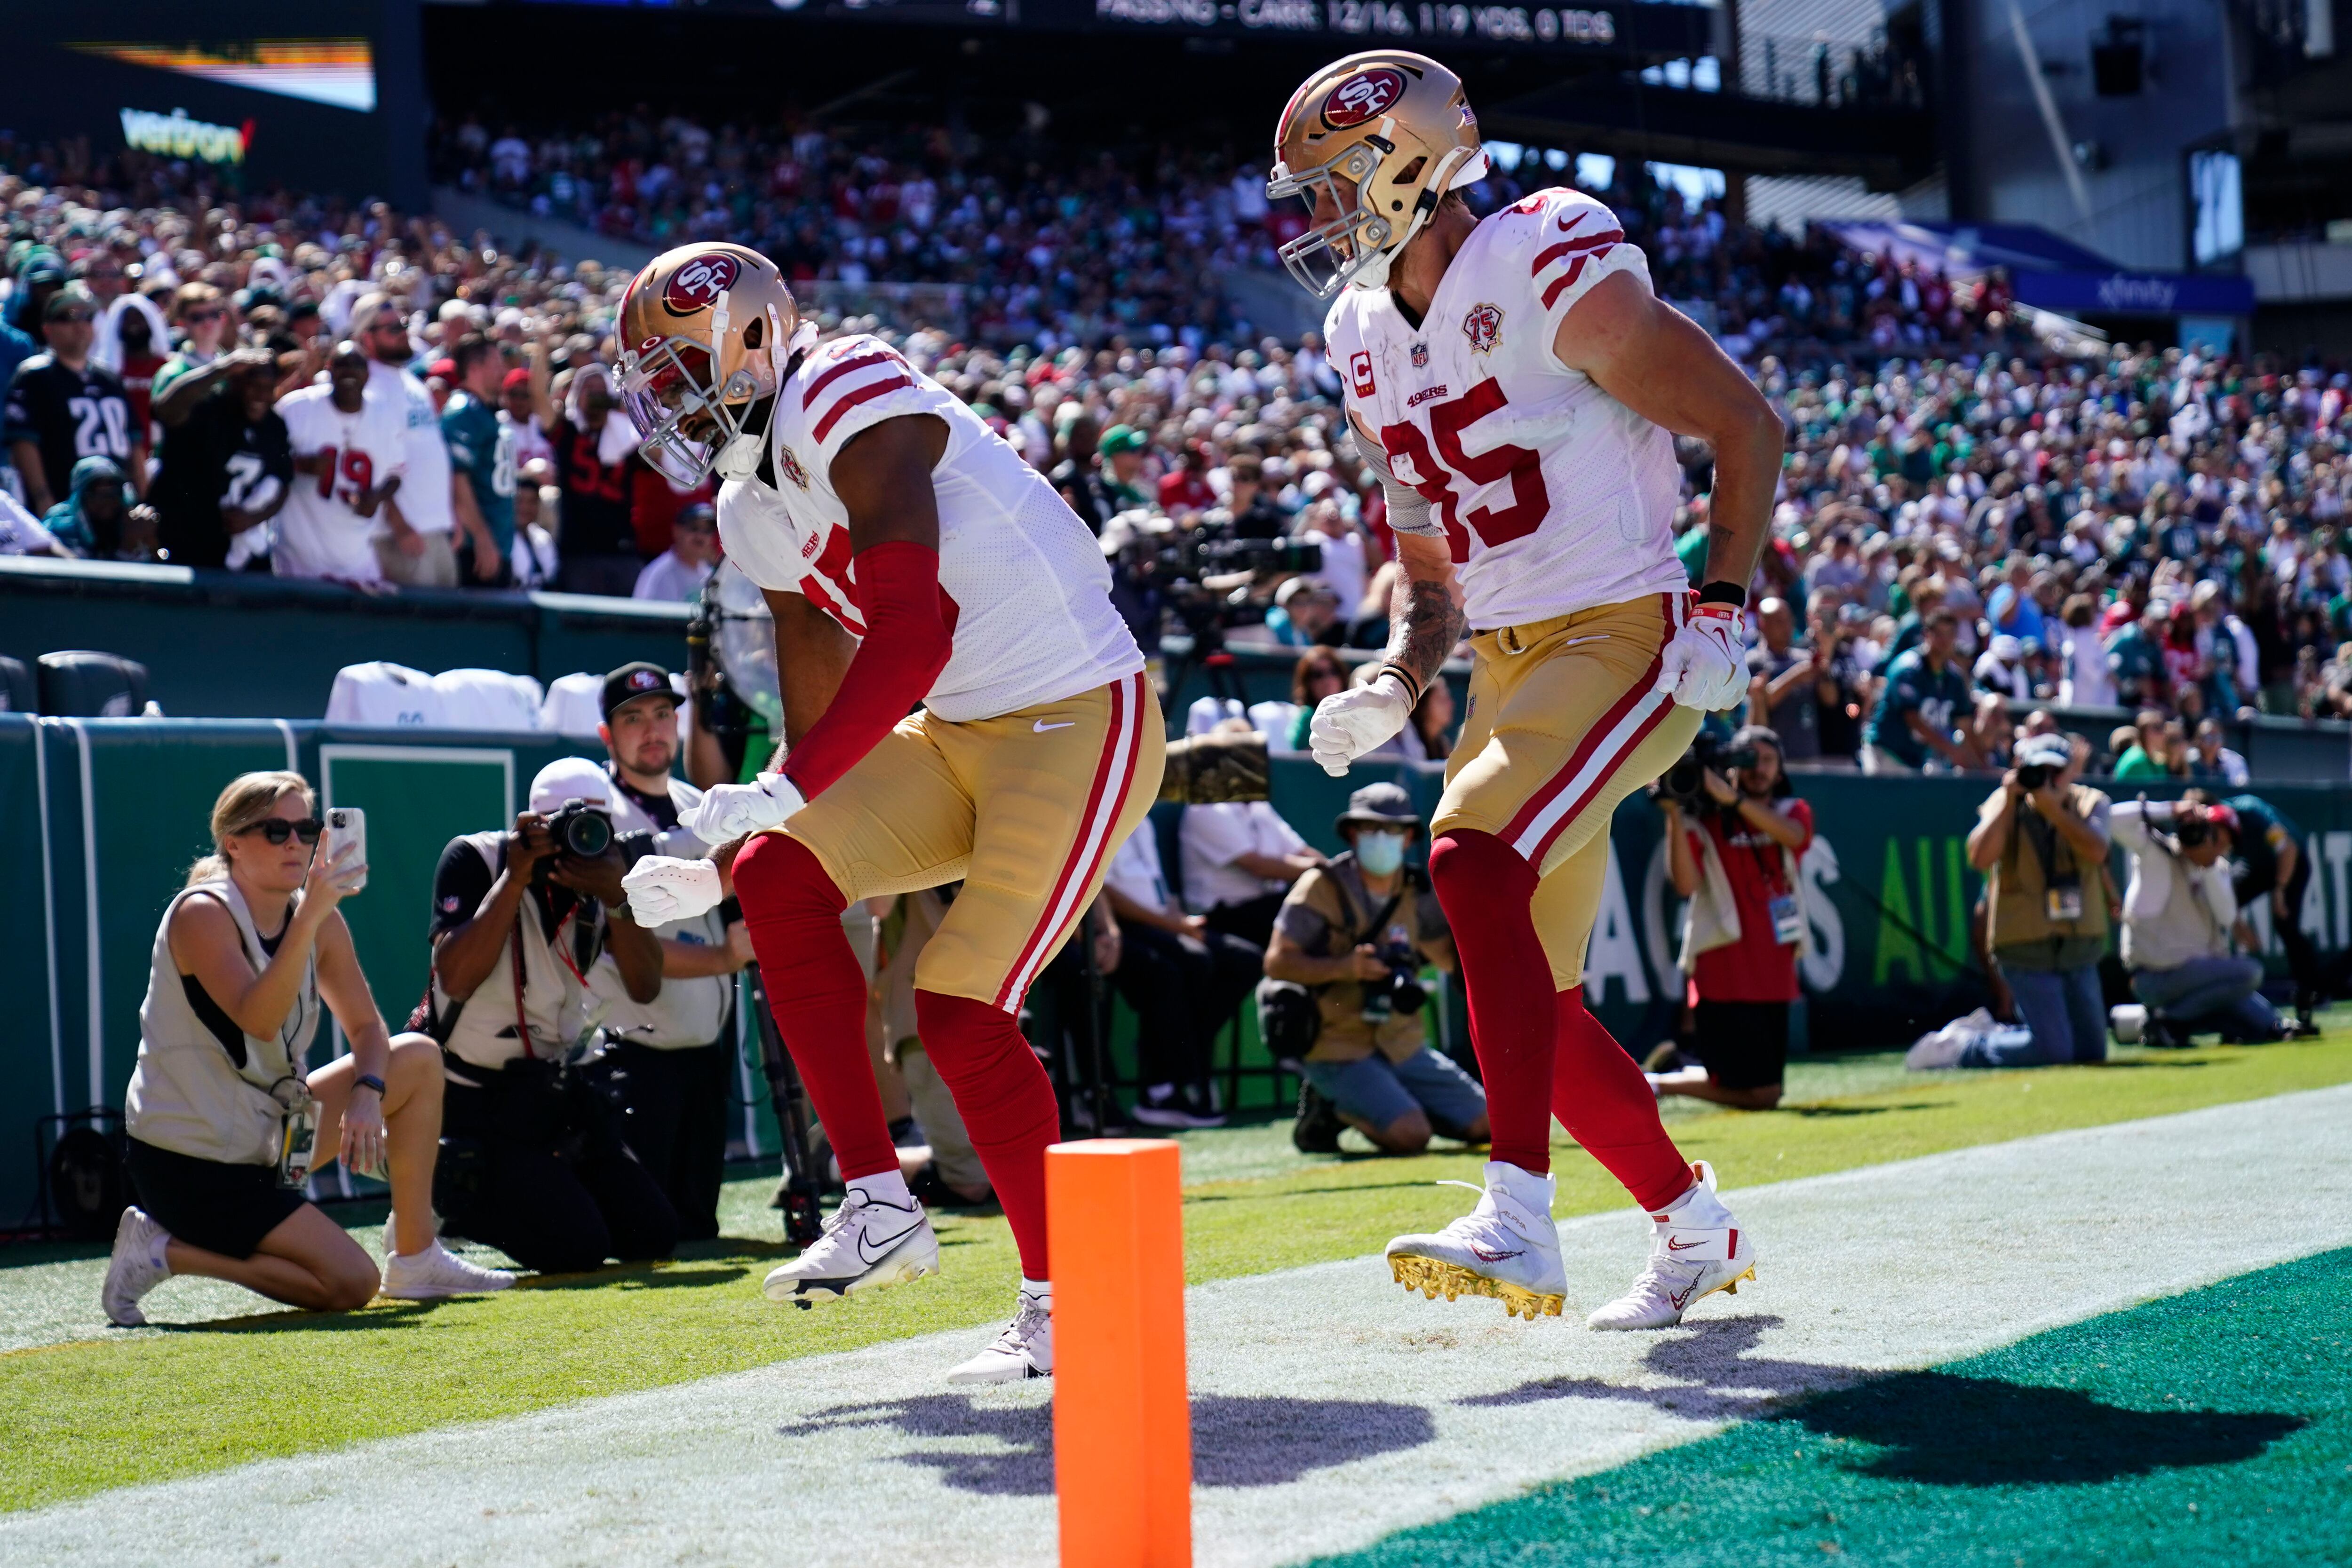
x: 1553, y: 496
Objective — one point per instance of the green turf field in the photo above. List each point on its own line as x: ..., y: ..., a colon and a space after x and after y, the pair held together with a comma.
x: 2210, y: 1427
x: 85, y: 1408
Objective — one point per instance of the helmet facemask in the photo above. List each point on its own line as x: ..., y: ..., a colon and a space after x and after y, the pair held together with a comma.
x: 687, y: 428
x: 1354, y: 247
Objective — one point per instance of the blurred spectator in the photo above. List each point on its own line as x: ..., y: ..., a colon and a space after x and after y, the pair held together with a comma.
x: 2136, y: 660
x: 1783, y: 684
x: 2216, y: 760
x: 595, y: 453
x: 416, y: 546
x: 2181, y: 920
x: 1305, y: 611
x: 1925, y: 701
x: 1239, y: 861
x: 1122, y: 474
x: 137, y: 363
x: 200, y: 317
x: 347, y: 448
x: 1079, y: 478
x: 2148, y: 755
x: 95, y: 523
x: 227, y: 466
x: 1184, y: 979
x: 481, y: 449
x: 61, y: 408
x: 2086, y: 682
x: 679, y: 573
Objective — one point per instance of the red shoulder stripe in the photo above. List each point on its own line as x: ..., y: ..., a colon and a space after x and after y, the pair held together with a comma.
x: 865, y: 393
x: 835, y: 372
x: 1575, y: 270
x: 1605, y: 240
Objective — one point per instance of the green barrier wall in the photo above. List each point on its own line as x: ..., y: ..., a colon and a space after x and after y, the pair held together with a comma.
x: 230, y: 645
x: 100, y: 820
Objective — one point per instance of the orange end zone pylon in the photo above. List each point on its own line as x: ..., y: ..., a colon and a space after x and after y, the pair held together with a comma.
x: 1122, y: 1428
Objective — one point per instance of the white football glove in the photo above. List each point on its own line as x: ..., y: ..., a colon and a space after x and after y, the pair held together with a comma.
x: 1705, y: 666
x: 662, y: 890
x: 728, y: 811
x: 1350, y: 723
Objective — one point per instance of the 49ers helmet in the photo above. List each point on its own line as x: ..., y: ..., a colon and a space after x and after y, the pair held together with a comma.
x: 1397, y: 128
x: 706, y: 332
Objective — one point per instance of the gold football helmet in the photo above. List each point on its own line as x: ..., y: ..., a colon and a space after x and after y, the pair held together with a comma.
x: 1385, y: 134
x: 706, y: 332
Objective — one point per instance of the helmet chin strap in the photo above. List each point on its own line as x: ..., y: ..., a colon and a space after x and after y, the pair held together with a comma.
x: 739, y: 458
x: 1470, y: 167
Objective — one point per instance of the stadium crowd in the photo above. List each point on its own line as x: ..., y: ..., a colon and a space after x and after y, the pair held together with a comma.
x: 2146, y: 528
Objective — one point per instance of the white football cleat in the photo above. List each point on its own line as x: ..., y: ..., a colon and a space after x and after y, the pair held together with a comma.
x: 1696, y: 1249
x: 866, y: 1243
x: 1506, y: 1248
x: 436, y: 1273
x: 136, y: 1268
x: 1024, y: 1350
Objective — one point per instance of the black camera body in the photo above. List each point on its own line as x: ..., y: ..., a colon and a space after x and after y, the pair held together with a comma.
x: 2032, y: 776
x: 583, y: 832
x: 1401, y: 993
x: 1684, y: 783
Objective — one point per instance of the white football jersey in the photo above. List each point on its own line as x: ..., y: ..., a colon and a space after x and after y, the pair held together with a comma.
x: 1031, y: 615
x: 1552, y: 496
x: 319, y: 533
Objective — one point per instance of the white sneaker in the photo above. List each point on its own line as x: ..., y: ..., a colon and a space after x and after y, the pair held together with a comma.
x: 866, y: 1243
x: 1696, y: 1249
x: 435, y: 1273
x: 1506, y: 1248
x: 136, y: 1268
x: 1025, y: 1348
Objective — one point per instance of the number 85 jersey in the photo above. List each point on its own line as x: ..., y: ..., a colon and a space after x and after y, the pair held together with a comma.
x: 1552, y: 496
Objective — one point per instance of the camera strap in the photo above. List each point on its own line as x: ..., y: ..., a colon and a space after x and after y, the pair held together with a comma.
x: 1405, y: 885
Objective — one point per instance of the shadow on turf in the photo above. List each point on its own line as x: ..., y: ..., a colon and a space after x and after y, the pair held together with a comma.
x: 1255, y: 1441
x: 1935, y: 1428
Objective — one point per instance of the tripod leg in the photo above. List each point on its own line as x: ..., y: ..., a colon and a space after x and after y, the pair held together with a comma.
x: 800, y: 1190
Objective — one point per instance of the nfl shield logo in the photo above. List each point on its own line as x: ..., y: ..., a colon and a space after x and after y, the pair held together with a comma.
x: 1421, y: 356
x: 1482, y: 327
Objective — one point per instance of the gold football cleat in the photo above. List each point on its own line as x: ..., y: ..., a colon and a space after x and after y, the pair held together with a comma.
x: 1433, y: 1278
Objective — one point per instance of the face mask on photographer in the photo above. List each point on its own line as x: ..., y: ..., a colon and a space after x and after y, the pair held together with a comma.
x: 1381, y: 854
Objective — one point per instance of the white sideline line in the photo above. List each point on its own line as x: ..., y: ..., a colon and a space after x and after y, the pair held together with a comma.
x: 1331, y: 1409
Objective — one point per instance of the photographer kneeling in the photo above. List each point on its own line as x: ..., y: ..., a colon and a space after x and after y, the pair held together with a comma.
x: 1734, y: 831
x: 2040, y: 840
x: 223, y: 1120
x: 1342, y: 989
x: 532, y: 1161
x: 2180, y: 914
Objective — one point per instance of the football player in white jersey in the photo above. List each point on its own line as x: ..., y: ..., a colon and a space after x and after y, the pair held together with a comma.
x: 908, y: 556
x: 348, y: 445
x: 1514, y: 380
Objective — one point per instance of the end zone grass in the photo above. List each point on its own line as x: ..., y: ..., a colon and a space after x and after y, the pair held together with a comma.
x: 90, y: 1415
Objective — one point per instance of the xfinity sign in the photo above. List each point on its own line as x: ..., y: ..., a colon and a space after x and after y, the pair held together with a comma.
x: 175, y: 135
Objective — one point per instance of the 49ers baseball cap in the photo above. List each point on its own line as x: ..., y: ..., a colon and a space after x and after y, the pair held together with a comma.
x: 630, y: 682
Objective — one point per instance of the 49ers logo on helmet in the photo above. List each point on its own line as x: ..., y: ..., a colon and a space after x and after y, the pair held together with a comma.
x: 699, y: 282
x: 1365, y: 96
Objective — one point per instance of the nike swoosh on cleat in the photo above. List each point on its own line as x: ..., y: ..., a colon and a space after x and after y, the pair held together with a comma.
x: 1485, y: 1257
x: 1680, y: 1301
x: 870, y: 1258
x: 1040, y: 727
x: 1675, y: 1246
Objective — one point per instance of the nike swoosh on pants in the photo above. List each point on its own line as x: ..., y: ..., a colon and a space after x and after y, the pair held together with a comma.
x: 1040, y: 727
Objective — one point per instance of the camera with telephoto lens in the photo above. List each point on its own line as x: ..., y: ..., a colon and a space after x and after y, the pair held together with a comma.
x: 1684, y: 783
x: 581, y: 831
x: 2032, y: 776
x: 1401, y: 994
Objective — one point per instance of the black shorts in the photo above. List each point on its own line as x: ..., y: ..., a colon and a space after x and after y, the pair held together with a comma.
x: 1744, y: 1044
x: 222, y: 1208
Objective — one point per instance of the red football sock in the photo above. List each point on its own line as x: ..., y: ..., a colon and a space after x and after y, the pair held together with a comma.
x: 1601, y: 1097
x: 1007, y: 1103
x: 792, y: 912
x: 1484, y: 885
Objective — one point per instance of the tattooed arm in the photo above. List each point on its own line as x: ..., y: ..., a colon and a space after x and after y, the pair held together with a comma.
x: 1424, y: 619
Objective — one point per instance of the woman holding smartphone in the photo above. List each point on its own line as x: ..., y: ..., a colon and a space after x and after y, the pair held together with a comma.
x: 223, y: 1118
